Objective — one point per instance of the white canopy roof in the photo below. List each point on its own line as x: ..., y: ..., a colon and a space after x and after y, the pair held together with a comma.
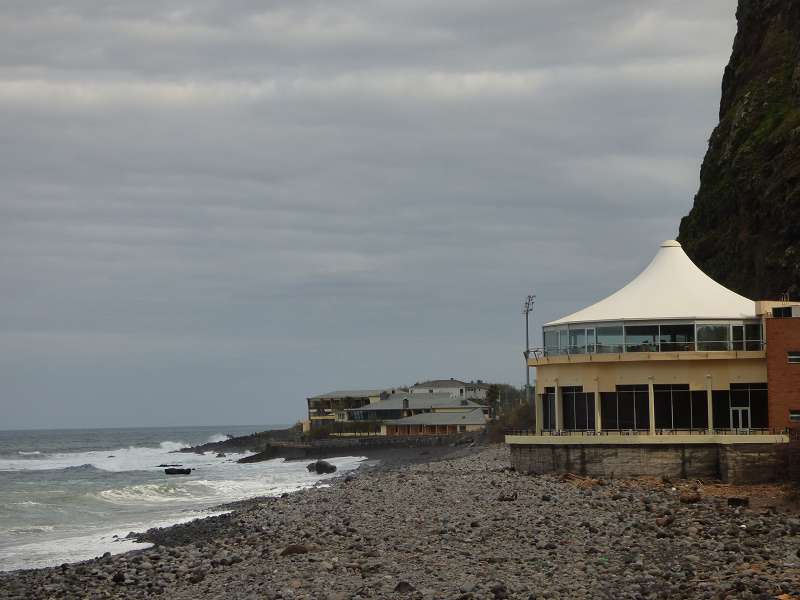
x: 671, y: 287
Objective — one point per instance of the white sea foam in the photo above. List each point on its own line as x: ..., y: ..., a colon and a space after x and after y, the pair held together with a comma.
x: 164, y: 501
x: 122, y: 459
x: 52, y: 552
x: 32, y: 453
x: 217, y: 437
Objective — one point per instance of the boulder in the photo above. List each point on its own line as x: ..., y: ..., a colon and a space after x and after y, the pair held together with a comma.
x: 738, y: 501
x: 177, y: 471
x: 690, y: 497
x: 292, y: 549
x: 321, y: 467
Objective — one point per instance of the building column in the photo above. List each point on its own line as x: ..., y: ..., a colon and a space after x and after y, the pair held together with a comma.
x: 709, y: 404
x: 539, y: 408
x: 597, y: 409
x: 559, y: 408
x: 651, y: 397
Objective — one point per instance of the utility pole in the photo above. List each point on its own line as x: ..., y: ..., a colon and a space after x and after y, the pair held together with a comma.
x: 527, y: 309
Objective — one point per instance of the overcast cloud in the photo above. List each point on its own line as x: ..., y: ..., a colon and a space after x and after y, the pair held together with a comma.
x: 212, y: 209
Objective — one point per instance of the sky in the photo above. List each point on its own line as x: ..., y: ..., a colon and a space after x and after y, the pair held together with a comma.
x: 211, y: 210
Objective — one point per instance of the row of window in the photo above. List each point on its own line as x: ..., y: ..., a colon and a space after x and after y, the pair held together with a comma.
x: 744, y: 406
x: 617, y: 338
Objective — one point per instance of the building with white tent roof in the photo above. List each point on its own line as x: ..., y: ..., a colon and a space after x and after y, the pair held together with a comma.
x: 673, y: 357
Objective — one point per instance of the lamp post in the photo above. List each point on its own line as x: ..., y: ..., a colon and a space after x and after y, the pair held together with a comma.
x: 527, y: 309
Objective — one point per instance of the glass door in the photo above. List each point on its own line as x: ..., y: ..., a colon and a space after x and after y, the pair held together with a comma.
x: 740, y: 418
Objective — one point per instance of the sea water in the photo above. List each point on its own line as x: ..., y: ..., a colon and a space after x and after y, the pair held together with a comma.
x: 70, y: 495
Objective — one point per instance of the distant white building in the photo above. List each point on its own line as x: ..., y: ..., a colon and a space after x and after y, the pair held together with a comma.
x: 454, y: 387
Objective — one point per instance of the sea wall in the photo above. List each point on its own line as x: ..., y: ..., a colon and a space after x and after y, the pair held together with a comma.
x: 731, y: 463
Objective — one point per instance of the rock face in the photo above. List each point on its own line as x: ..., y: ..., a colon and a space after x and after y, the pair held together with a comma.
x: 744, y: 228
x: 321, y: 467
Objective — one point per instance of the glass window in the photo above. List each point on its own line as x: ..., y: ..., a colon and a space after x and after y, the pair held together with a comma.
x: 590, y: 340
x: 577, y: 341
x: 737, y: 337
x: 609, y: 339
x: 563, y: 340
x: 793, y: 356
x: 677, y: 338
x: 548, y: 409
x: 663, y: 406
x: 713, y: 337
x: 608, y: 410
x: 752, y: 336
x: 759, y: 418
x: 700, y: 409
x: 641, y: 338
x: 551, y: 342
x: 722, y: 409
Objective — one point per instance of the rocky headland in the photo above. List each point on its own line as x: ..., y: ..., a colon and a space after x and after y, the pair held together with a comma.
x: 744, y: 227
x: 462, y: 526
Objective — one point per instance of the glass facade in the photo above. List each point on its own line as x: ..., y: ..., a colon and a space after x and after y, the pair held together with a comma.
x: 615, y: 338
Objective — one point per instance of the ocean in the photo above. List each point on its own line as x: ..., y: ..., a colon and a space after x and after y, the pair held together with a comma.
x: 71, y: 495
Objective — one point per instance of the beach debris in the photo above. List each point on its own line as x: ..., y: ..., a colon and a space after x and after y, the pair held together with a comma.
x: 735, y: 501
x: 403, y: 587
x: 177, y: 471
x: 507, y: 497
x: 690, y: 497
x: 665, y: 520
x: 321, y: 467
x: 292, y: 549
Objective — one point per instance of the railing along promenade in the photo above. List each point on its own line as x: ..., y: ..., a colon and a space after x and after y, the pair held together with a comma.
x: 794, y: 433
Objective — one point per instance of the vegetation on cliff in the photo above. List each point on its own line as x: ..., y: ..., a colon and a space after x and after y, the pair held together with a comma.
x: 744, y: 228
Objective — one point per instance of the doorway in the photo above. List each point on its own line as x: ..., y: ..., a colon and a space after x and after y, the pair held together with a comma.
x: 740, y: 418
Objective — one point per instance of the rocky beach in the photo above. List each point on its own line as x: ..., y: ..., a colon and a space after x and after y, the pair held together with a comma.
x: 460, y: 525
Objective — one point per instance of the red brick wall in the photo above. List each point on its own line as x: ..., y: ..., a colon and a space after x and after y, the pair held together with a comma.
x: 783, y: 378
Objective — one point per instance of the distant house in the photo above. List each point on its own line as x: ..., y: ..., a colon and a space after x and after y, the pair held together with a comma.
x: 454, y: 387
x: 437, y: 423
x: 327, y: 408
x: 400, y: 405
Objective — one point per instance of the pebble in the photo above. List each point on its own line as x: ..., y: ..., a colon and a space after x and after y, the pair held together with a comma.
x: 438, y: 530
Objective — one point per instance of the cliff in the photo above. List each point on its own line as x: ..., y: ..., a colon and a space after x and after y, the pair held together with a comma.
x: 744, y: 228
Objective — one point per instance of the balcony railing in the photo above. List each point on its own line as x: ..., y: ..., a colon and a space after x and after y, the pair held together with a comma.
x: 665, y: 432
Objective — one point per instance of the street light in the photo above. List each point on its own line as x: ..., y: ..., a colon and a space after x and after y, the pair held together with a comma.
x: 527, y: 309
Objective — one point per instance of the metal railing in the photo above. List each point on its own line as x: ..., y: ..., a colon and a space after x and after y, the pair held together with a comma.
x: 695, y: 431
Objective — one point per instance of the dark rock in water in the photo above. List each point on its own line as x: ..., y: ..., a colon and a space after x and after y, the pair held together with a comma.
x: 169, y: 465
x: 173, y: 471
x: 220, y: 455
x: 321, y: 467
x: 738, y: 501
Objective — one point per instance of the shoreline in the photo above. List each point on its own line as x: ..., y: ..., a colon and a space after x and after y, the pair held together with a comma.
x: 459, y: 524
x: 376, y: 461
x: 219, y: 514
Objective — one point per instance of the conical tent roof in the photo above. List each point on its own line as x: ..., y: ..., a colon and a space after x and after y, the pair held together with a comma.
x: 671, y: 287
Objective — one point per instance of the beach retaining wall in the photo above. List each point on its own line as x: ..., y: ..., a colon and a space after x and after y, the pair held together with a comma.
x: 751, y: 463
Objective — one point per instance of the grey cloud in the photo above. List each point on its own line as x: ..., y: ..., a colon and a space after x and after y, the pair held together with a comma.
x: 254, y: 202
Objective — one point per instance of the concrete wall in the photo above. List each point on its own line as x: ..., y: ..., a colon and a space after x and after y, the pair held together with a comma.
x: 752, y: 463
x: 606, y: 374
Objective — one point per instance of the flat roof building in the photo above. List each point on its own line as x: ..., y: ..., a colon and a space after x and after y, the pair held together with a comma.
x: 673, y: 353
